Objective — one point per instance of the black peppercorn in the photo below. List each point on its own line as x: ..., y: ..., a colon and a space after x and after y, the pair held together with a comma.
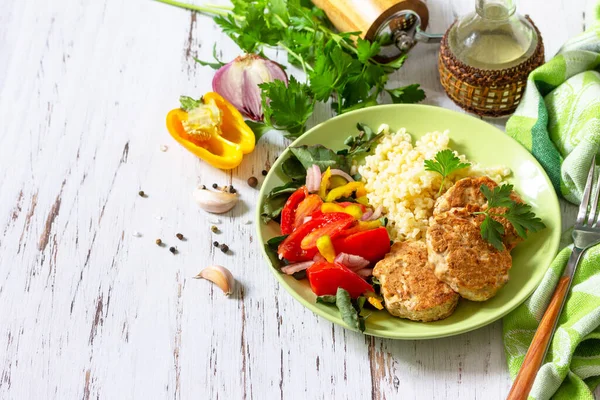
x: 215, y: 186
x: 173, y: 250
x: 179, y: 236
x: 141, y: 193
x: 203, y: 187
x: 264, y: 172
x: 216, y: 244
x: 224, y: 248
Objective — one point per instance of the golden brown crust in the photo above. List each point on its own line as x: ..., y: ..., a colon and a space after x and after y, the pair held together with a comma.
x: 409, y: 286
x: 463, y: 259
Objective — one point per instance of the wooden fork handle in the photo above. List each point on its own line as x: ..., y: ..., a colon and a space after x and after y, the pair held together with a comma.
x: 537, y: 350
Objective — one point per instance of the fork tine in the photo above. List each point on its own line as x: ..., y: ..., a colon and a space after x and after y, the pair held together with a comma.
x: 594, y: 209
x: 586, y: 194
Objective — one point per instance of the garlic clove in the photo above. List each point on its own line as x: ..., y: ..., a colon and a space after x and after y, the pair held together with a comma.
x: 220, y: 276
x: 215, y: 202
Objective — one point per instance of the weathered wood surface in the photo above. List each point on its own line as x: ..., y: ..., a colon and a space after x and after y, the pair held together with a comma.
x: 88, y: 310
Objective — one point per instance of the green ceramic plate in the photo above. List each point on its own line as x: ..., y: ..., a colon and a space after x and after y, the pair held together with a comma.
x: 481, y: 143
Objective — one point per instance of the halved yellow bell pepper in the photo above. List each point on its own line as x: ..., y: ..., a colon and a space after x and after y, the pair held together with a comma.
x: 346, y: 190
x: 216, y: 132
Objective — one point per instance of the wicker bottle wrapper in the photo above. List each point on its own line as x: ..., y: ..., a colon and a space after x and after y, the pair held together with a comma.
x: 488, y: 93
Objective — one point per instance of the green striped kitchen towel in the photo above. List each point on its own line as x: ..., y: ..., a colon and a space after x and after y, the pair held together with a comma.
x: 559, y: 122
x: 558, y: 119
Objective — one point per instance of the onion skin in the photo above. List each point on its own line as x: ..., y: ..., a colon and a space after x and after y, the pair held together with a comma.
x: 339, y: 172
x: 238, y: 82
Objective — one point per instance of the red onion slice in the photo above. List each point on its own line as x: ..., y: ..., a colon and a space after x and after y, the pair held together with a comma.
x: 366, y: 215
x: 318, y: 258
x: 238, y: 82
x: 365, y: 272
x: 297, y: 267
x: 313, y: 178
x: 376, y: 213
x: 351, y: 261
x: 341, y: 173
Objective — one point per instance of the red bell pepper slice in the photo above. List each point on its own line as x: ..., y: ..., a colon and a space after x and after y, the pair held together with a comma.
x: 288, y: 214
x: 290, y: 248
x: 331, y: 229
x: 307, y: 208
x: 325, y: 278
x: 372, y: 245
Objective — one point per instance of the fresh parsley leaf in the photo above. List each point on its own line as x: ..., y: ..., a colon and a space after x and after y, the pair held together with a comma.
x: 258, y: 128
x: 395, y: 64
x: 499, y: 197
x: 187, y: 103
x: 523, y: 219
x: 319, y: 155
x: 287, y: 108
x: 366, y: 50
x: 216, y: 65
x: 407, y: 94
x: 492, y: 231
x: 362, y: 142
x: 444, y: 163
x: 518, y: 214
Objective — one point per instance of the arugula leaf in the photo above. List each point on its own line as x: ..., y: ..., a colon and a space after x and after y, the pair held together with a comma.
x: 327, y: 299
x: 287, y: 108
x: 259, y: 129
x: 445, y: 163
x: 348, y: 312
x: 294, y: 169
x: 188, y: 103
x: 319, y: 155
x: 407, y: 94
x: 518, y: 214
x: 275, y: 200
x: 271, y: 247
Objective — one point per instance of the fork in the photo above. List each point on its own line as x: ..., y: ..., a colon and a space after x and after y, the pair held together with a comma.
x: 586, y: 234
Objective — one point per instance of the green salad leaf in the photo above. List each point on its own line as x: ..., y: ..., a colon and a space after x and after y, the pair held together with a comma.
x: 321, y: 156
x: 274, y: 202
x: 271, y: 247
x: 293, y: 169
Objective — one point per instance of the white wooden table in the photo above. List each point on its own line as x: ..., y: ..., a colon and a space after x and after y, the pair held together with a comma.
x: 88, y: 310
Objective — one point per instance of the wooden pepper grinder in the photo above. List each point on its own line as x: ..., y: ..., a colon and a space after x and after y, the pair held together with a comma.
x: 398, y: 24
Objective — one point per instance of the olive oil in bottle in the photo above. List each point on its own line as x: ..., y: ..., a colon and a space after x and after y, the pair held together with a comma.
x: 494, y: 37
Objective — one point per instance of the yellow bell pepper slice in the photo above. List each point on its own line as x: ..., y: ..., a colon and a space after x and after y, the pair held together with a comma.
x: 325, y: 247
x: 324, y: 183
x: 362, y: 200
x: 352, y: 209
x: 346, y: 190
x: 337, y: 181
x: 375, y: 301
x: 217, y: 135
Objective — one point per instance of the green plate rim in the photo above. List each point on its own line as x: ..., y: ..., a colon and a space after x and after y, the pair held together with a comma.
x: 555, y: 237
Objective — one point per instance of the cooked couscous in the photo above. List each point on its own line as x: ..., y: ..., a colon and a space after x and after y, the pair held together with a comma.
x: 396, y: 179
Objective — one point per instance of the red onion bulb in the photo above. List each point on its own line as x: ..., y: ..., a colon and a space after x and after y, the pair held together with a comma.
x: 238, y: 82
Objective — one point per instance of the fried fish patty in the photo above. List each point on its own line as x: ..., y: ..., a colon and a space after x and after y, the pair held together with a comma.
x: 409, y: 286
x: 462, y: 258
x: 467, y: 194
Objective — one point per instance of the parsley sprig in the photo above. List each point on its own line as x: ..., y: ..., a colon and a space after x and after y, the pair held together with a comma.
x: 339, y: 66
x: 518, y: 214
x: 444, y: 163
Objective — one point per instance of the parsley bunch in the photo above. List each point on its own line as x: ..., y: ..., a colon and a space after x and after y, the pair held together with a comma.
x: 339, y: 66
